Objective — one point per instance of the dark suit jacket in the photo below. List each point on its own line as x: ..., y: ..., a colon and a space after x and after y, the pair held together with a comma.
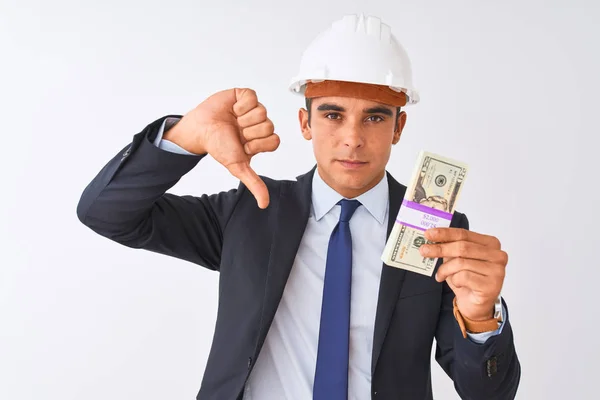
x: 254, y: 250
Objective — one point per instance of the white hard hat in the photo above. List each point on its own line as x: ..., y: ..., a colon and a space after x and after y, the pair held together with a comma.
x: 357, y: 49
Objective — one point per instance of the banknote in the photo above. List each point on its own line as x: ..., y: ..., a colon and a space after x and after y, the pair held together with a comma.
x: 429, y: 202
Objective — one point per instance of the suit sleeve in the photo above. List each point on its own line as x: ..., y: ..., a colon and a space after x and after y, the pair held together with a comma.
x: 127, y: 202
x: 489, y: 370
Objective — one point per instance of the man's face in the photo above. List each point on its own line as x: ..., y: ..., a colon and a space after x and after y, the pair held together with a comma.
x: 352, y: 141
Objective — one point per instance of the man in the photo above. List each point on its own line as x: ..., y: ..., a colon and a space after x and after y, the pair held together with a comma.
x: 306, y: 308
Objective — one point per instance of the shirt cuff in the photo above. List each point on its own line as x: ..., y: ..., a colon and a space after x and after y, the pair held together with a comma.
x: 167, y: 145
x: 480, y: 338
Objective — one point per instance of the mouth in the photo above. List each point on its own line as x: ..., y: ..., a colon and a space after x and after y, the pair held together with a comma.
x: 352, y: 164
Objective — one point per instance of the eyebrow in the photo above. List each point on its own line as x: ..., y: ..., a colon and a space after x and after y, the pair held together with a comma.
x: 379, y: 110
x: 330, y: 107
x: 372, y: 110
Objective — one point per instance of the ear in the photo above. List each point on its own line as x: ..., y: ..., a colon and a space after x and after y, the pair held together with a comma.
x: 399, y: 127
x: 304, y: 127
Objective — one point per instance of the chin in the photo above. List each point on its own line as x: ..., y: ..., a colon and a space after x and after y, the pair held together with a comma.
x: 351, y: 181
x: 354, y: 181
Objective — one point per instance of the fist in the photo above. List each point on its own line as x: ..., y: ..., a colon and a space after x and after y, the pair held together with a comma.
x: 232, y: 126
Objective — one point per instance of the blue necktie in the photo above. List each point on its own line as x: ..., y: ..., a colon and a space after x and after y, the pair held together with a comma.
x: 331, y: 375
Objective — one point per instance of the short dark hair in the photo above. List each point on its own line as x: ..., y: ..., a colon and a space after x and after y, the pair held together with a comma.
x: 309, y: 104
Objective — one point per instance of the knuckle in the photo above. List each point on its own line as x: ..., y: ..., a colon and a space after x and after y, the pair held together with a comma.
x: 270, y: 145
x: 250, y: 147
x: 269, y: 124
x: 276, y: 140
x: 497, y: 243
x: 261, y: 112
x: 459, y: 279
x: 251, y: 93
x: 504, y: 257
x: 274, y: 143
x: 237, y: 108
x: 452, y: 280
x: 463, y: 248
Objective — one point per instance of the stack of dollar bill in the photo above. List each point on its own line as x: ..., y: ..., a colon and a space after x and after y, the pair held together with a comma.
x: 429, y: 202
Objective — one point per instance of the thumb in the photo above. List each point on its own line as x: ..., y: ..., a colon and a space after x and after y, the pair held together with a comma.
x: 248, y: 177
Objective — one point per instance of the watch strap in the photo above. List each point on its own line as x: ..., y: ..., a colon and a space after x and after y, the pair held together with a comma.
x: 472, y: 326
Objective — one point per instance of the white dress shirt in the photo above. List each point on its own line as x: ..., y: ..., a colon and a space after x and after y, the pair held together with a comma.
x: 285, y: 367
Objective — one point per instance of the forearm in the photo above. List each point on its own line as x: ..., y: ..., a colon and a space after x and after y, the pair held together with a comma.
x: 124, y: 192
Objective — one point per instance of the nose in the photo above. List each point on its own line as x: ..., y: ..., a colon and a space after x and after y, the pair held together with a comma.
x: 353, y: 137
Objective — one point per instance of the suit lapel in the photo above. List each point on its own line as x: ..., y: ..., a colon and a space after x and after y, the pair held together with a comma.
x: 291, y: 218
x: 293, y: 209
x: 391, y: 278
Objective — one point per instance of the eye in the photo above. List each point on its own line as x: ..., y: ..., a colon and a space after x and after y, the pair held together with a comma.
x: 375, y: 118
x: 333, y: 116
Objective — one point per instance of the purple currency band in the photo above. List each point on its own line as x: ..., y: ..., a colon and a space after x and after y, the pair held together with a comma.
x: 418, y: 216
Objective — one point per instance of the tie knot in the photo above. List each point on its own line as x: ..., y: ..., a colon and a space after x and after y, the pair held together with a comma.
x: 348, y: 208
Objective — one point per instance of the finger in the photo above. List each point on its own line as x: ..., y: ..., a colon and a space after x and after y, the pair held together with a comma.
x: 463, y: 249
x: 444, y: 235
x: 262, y: 130
x: 262, y: 145
x: 469, y: 280
x: 461, y: 264
x: 475, y: 296
x: 253, y: 117
x: 257, y: 187
x: 446, y: 259
x: 246, y: 100
x: 454, y: 288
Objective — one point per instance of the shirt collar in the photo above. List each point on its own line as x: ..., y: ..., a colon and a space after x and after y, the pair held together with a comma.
x: 324, y: 198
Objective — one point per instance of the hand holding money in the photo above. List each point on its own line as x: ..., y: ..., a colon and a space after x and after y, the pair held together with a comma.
x: 473, y: 264
x: 474, y: 267
x: 429, y: 202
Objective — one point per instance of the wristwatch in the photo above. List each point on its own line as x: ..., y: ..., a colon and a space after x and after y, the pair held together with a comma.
x: 471, y: 326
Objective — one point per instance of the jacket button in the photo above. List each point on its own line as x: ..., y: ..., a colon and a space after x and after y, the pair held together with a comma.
x: 249, y: 362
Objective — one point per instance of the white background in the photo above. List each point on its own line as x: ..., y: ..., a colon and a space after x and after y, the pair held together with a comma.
x: 509, y: 87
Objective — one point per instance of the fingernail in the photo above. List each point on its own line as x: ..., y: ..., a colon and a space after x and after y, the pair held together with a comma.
x: 424, y: 250
x: 437, y: 277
